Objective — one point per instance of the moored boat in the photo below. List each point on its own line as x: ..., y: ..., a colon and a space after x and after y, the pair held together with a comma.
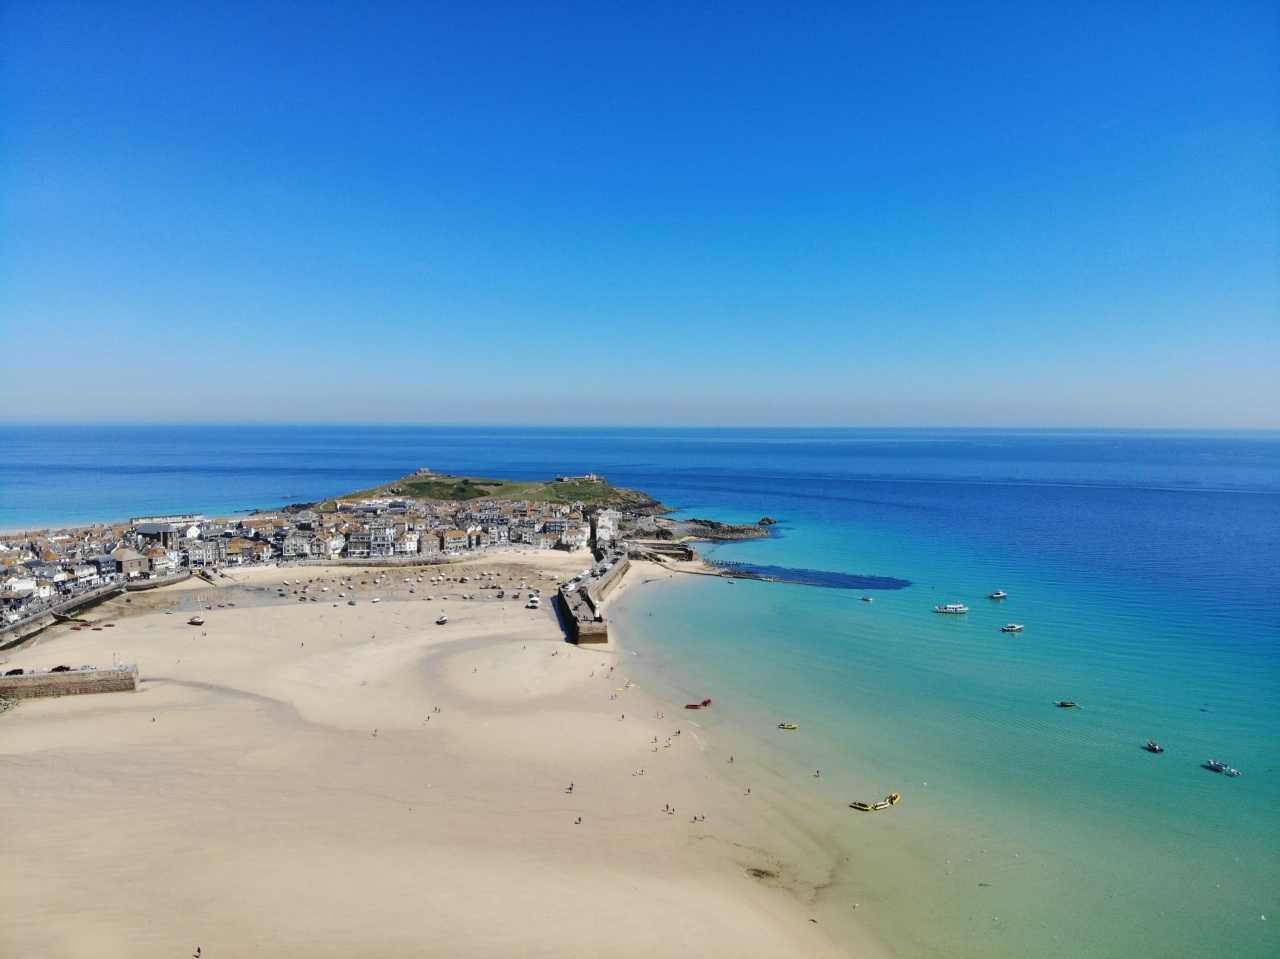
x: 1152, y: 746
x: 788, y: 726
x: 442, y: 619
x: 952, y: 608
x: 195, y: 621
x: 1011, y: 628
x: 1221, y: 767
x: 1067, y: 704
x: 998, y: 594
x: 868, y: 599
x: 705, y: 704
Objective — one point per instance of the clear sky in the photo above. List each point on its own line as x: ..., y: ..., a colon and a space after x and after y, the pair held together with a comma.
x: 818, y: 214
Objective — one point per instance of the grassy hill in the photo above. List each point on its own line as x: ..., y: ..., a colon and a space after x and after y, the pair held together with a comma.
x: 445, y: 488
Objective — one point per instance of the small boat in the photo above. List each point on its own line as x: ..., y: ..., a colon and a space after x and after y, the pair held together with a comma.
x: 376, y: 599
x: 1011, y: 628
x: 952, y: 608
x: 1152, y: 746
x: 1221, y: 767
x: 998, y: 594
x: 890, y: 800
x: 195, y: 621
x: 702, y: 705
x: 351, y: 602
x: 868, y: 599
x: 442, y: 619
x: 1067, y: 704
x: 790, y: 727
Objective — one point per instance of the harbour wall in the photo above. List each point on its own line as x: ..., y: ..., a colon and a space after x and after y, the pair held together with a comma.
x: 72, y: 682
x: 17, y: 633
x: 145, y: 584
x: 583, y: 608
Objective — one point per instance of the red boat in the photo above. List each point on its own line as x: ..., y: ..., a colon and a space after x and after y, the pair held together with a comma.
x: 702, y: 705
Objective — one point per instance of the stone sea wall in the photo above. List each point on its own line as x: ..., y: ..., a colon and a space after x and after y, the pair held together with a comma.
x: 73, y: 682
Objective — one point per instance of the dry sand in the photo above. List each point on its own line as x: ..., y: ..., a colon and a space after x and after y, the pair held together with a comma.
x: 304, y: 778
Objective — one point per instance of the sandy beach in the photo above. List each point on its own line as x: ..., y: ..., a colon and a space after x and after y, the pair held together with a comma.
x: 309, y: 777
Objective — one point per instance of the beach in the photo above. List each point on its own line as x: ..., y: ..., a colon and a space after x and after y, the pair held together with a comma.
x: 315, y: 777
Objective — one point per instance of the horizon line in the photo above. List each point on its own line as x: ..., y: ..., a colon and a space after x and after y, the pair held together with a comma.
x: 417, y: 424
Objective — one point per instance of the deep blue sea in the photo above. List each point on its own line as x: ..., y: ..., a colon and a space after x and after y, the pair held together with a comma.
x: 1145, y: 567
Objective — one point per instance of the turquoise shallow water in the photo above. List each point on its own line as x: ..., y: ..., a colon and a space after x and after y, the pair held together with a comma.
x: 1146, y: 567
x: 1040, y: 831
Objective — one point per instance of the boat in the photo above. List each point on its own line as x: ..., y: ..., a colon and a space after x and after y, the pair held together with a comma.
x: 998, y: 594
x: 351, y: 602
x: 376, y: 599
x: 1221, y: 767
x: 1067, y: 704
x: 890, y: 800
x: 702, y: 705
x: 1152, y: 746
x: 867, y: 599
x: 442, y: 619
x: 195, y: 621
x: 788, y: 726
x: 1011, y: 628
x: 952, y: 608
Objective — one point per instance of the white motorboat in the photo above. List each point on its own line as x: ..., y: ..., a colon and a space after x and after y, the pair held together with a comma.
x: 1221, y: 767
x: 952, y: 609
x: 998, y: 594
x: 442, y: 619
x: 1011, y: 628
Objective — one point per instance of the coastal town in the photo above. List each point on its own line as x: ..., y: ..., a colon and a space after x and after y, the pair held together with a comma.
x: 402, y: 523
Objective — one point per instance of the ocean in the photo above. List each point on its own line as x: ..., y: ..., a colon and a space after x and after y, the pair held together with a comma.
x: 1145, y: 567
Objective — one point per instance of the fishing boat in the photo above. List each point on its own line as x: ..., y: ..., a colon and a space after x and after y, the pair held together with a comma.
x: 788, y: 726
x: 195, y: 621
x: 952, y: 609
x: 1067, y: 704
x: 702, y: 705
x: 1152, y: 746
x: 998, y: 594
x: 1011, y: 628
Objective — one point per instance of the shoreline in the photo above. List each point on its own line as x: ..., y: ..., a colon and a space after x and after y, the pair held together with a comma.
x: 494, y: 779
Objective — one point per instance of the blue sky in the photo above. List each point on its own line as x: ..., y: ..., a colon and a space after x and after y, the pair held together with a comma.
x: 828, y: 214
